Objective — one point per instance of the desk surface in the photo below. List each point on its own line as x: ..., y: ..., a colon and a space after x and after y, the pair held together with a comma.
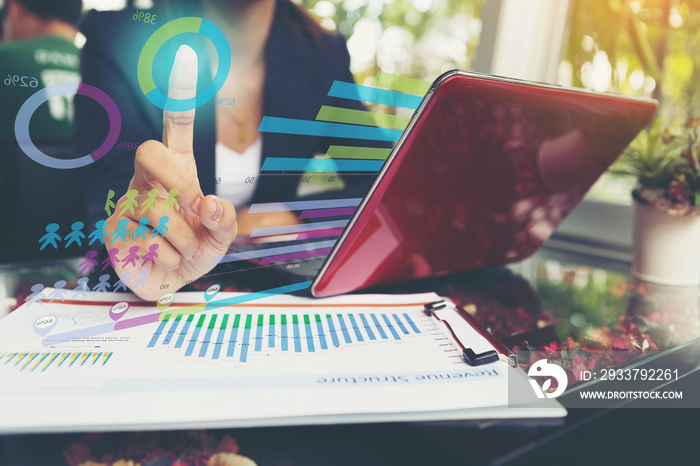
x: 552, y: 305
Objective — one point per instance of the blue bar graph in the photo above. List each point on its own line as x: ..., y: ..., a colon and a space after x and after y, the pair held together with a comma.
x: 368, y: 329
x: 232, y: 339
x: 207, y: 336
x: 344, y: 329
x: 107, y: 359
x: 183, y: 332
x: 410, y: 322
x: 321, y: 333
x: 246, y: 338
x: 195, y: 335
x: 313, y: 226
x: 241, y: 256
x: 171, y: 330
x: 220, y: 338
x: 382, y: 333
x: 309, y: 335
x: 271, y: 338
x: 85, y: 359
x: 285, y: 335
x: 391, y: 327
x: 331, y: 330
x: 320, y: 165
x: 374, y: 95
x: 356, y: 328
x: 51, y: 361
x: 40, y: 361
x: 401, y: 325
x: 297, y: 335
x: 322, y: 128
x: 158, y: 332
x: 259, y: 333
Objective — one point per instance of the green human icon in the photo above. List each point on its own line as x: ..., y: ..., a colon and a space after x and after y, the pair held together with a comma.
x: 171, y: 201
x: 130, y: 203
x: 151, y: 202
x: 109, y: 204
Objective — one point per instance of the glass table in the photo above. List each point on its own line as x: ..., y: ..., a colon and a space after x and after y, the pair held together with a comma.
x: 585, y: 313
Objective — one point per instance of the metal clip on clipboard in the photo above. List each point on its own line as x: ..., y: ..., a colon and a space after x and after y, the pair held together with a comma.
x: 471, y: 357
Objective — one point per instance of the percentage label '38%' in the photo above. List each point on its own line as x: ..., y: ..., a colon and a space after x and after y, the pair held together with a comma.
x: 23, y: 81
x: 145, y: 17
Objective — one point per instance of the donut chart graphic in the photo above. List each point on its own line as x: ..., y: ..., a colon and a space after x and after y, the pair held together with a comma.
x: 35, y: 100
x: 159, y: 38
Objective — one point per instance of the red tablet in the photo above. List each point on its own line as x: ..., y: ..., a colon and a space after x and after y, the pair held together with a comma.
x: 484, y: 173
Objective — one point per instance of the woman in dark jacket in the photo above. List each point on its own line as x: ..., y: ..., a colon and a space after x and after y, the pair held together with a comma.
x: 282, y: 64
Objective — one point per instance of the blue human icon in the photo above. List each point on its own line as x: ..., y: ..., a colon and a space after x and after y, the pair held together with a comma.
x: 132, y: 257
x: 99, y: 233
x: 89, y: 263
x: 122, y: 231
x: 141, y: 279
x: 81, y: 288
x: 142, y: 229
x: 36, y: 296
x: 75, y: 235
x: 58, y: 291
x: 111, y: 259
x: 151, y: 202
x: 102, y: 286
x: 161, y: 228
x: 123, y: 281
x: 50, y: 237
x: 130, y: 202
x: 151, y: 255
x: 109, y: 204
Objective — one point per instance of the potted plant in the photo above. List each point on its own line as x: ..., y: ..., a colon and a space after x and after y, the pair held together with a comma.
x: 666, y: 204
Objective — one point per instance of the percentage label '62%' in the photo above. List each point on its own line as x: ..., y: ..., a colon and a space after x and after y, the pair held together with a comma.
x: 22, y: 81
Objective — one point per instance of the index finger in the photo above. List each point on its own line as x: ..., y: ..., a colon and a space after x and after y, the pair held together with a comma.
x: 178, y: 127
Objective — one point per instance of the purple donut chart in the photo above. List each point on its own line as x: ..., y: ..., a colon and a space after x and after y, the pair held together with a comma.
x: 28, y: 108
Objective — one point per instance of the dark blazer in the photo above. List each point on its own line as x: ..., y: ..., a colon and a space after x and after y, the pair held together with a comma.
x: 299, y: 73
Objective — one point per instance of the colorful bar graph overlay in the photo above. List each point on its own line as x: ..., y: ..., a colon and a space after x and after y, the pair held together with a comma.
x: 41, y: 362
x: 281, y: 230
x: 398, y: 83
x: 320, y: 233
x: 362, y: 117
x: 239, y: 256
x: 326, y: 129
x: 357, y: 152
x: 320, y: 165
x: 320, y: 213
x: 371, y: 94
x: 295, y: 256
x: 303, y: 205
x: 268, y: 334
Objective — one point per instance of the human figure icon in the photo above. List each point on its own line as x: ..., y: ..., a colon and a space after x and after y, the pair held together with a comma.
x: 132, y: 257
x: 111, y: 259
x: 130, y: 203
x: 123, y: 281
x: 50, y: 237
x: 142, y: 229
x: 76, y: 234
x: 58, y: 291
x: 103, y: 284
x: 151, y: 255
x: 109, y: 204
x: 99, y: 233
x: 89, y: 263
x: 161, y: 228
x: 151, y: 202
x: 81, y: 288
x: 36, y: 296
x: 121, y: 231
x: 171, y: 201
x: 141, y: 279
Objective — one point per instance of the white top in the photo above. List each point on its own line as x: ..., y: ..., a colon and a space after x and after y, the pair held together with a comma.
x: 238, y: 173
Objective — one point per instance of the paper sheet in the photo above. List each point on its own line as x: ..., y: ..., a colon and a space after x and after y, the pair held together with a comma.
x: 99, y: 364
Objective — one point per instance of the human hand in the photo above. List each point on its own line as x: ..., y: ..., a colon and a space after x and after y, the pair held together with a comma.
x: 197, y: 227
